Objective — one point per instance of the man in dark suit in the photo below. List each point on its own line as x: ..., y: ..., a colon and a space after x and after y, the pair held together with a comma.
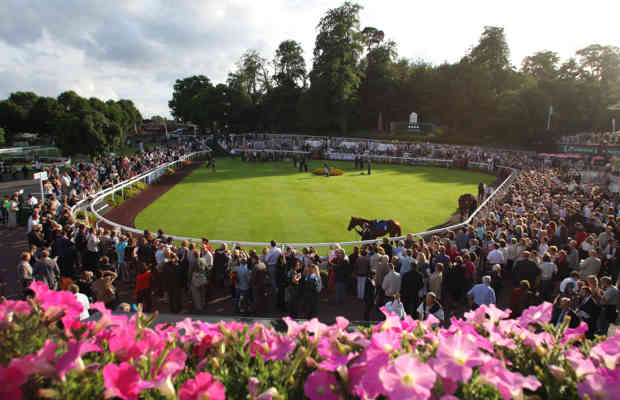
x: 527, y: 269
x: 410, y: 286
x: 563, y: 311
x: 588, y: 310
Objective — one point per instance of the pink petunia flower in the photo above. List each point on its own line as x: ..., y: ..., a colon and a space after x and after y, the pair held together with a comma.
x: 123, y: 381
x: 608, y: 351
x: 321, y: 385
x: 203, y: 386
x: 10, y: 307
x: 334, y: 354
x: 509, y: 384
x: 385, y: 342
x: 11, y: 380
x: 574, y: 334
x: 604, y: 384
x: 52, y: 299
x: 72, y: 358
x: 456, y: 357
x: 536, y: 314
x: 408, y: 378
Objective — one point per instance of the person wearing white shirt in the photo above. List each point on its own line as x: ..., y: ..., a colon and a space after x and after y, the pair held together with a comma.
x: 495, y: 256
x: 32, y: 201
x: 272, y: 261
x: 395, y: 306
x: 82, y: 299
x: 33, y: 220
x: 391, y: 282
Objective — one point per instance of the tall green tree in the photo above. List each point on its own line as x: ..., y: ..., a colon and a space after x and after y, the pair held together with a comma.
x: 289, y: 65
x: 182, y: 105
x: 335, y: 75
x: 251, y: 76
x: 44, y: 114
x: 492, y: 52
x: 541, y: 65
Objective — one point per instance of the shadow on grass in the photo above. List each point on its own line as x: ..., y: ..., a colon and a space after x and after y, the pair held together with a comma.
x: 233, y: 169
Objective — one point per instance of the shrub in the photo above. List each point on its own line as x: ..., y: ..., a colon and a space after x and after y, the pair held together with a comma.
x: 169, y: 171
x: 332, y: 171
x: 46, y: 352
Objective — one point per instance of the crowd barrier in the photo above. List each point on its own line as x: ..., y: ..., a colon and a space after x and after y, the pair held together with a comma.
x: 148, y: 177
x: 480, y: 212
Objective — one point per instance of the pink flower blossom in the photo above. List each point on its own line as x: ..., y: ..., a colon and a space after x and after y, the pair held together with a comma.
x: 11, y: 380
x: 604, y: 384
x: 536, y: 314
x: 253, y: 386
x: 72, y: 357
x: 53, y: 301
x: 334, y: 353
x: 270, y: 345
x: 123, y: 381
x: 574, y: 334
x: 203, y: 386
x: 608, y: 351
x: 479, y: 315
x: 408, y: 378
x: 509, y: 384
x: 321, y: 385
x: 173, y: 363
x: 385, y: 342
x: 456, y: 356
x: 10, y: 307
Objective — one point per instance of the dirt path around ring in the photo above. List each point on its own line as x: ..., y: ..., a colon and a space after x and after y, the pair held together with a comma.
x: 126, y: 213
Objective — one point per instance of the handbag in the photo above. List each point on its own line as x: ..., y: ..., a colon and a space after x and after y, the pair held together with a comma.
x: 199, y: 279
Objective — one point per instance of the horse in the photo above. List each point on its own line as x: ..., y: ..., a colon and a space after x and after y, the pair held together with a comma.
x: 377, y: 228
x: 467, y: 205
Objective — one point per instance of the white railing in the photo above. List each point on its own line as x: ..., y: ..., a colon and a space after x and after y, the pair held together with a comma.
x: 481, y: 211
x: 30, y: 149
x: 149, y: 175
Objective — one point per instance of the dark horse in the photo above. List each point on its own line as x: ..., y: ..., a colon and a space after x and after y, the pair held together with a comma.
x: 467, y: 205
x: 376, y: 228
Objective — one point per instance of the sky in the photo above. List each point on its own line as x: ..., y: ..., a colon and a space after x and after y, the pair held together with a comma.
x: 136, y: 49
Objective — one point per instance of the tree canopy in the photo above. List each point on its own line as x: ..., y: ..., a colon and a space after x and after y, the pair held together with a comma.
x: 75, y: 124
x: 359, y: 83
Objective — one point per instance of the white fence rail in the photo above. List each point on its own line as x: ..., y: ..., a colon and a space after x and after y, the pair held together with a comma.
x: 30, y: 149
x: 147, y: 177
x: 481, y: 211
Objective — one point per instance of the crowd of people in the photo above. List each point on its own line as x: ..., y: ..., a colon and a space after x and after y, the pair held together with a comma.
x: 592, y: 138
x: 548, y: 237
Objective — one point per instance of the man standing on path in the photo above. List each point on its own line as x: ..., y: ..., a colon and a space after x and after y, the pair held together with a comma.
x: 272, y: 261
x: 369, y: 166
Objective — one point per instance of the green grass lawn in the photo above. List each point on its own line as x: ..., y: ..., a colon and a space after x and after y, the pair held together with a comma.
x: 264, y: 201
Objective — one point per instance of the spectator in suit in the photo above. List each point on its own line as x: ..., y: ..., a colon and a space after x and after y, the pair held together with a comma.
x: 588, y: 310
x: 561, y: 310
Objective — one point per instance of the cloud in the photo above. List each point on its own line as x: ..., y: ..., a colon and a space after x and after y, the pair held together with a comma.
x: 137, y: 48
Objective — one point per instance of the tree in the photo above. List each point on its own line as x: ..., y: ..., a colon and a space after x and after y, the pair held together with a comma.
x: 492, y: 52
x: 372, y: 36
x: 12, y: 117
x: 541, y: 65
x: 335, y: 75
x: 2, y: 137
x: 289, y: 65
x: 44, y: 114
x: 182, y: 105
x: 251, y: 76
x: 601, y: 62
